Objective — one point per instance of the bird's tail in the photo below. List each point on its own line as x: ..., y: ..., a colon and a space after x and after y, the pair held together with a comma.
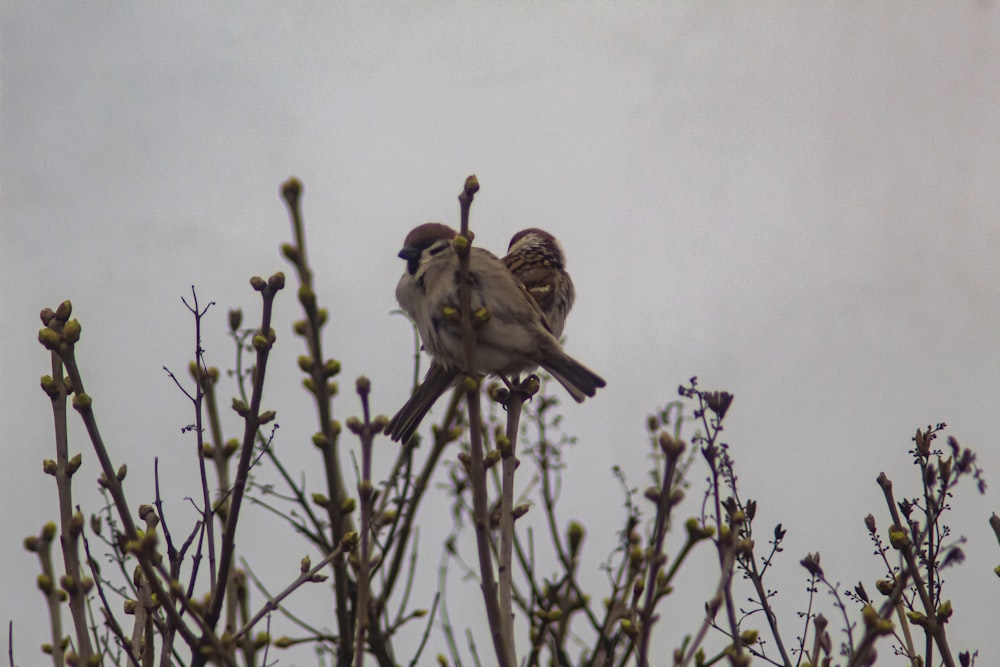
x: 578, y: 380
x: 404, y: 424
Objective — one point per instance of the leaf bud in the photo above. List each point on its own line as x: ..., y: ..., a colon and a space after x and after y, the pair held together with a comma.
x: 49, y: 339
x: 82, y: 402
x: 492, y: 458
x: 50, y: 386
x: 64, y: 310
x: 71, y: 331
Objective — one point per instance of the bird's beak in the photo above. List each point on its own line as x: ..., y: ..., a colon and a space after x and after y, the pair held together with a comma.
x: 412, y: 257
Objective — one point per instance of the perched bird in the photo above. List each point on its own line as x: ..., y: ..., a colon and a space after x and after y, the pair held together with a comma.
x: 536, y: 259
x: 521, y: 293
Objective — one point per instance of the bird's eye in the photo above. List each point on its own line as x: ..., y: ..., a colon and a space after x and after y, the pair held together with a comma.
x: 435, y: 249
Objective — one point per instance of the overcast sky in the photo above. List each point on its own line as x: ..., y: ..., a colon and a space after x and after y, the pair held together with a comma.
x: 796, y: 203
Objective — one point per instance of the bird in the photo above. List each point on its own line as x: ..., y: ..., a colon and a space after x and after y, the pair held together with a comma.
x: 536, y: 258
x: 525, y: 294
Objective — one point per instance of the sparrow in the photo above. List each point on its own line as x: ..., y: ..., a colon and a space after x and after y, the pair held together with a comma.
x: 536, y: 258
x: 528, y: 295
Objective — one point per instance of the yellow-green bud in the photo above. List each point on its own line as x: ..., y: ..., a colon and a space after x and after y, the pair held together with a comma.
x: 492, y: 458
x: 944, y: 612
x: 307, y: 297
x: 82, y: 402
x: 350, y: 540
x: 898, y: 538
x: 50, y: 386
x: 49, y: 531
x: 49, y: 338
x: 71, y: 331
x: 64, y: 310
x: 575, y: 535
x: 291, y: 252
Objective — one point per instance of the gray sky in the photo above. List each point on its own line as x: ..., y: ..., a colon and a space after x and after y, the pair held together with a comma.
x: 797, y: 204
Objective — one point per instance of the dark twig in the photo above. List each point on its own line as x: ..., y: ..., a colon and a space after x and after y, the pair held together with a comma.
x: 477, y: 469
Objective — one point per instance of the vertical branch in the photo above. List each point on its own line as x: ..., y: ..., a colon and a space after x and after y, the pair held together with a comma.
x: 508, y: 450
x: 201, y: 378
x: 318, y: 383
x: 366, y: 431
x: 252, y: 420
x: 70, y: 524
x: 477, y: 468
x: 665, y: 500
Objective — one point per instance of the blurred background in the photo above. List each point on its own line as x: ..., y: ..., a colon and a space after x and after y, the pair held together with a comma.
x: 796, y: 203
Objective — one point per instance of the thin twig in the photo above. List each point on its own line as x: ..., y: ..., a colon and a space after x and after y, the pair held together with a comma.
x: 274, y: 603
x: 515, y: 401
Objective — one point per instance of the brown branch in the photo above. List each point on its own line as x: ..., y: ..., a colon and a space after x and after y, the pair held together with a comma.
x: 477, y: 468
x: 340, y: 521
x: 262, y: 343
x: 57, y: 338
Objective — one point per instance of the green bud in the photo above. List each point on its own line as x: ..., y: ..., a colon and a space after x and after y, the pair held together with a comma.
x: 50, y: 386
x: 49, y: 338
x: 82, y: 402
x: 71, y: 331
x: 64, y: 310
